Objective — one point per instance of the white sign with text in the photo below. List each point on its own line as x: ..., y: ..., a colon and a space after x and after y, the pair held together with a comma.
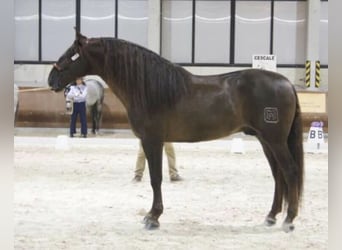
x: 266, y: 62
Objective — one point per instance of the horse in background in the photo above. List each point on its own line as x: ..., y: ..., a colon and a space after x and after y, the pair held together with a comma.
x: 166, y: 103
x: 94, y: 101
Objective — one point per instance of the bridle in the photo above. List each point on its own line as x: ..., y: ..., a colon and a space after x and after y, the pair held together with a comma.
x: 55, y: 65
x: 72, y: 59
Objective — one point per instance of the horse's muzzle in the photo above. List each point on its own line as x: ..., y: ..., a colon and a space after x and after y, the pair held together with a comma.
x: 56, y: 87
x: 54, y: 80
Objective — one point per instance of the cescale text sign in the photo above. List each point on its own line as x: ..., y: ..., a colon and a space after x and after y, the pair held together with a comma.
x: 266, y: 62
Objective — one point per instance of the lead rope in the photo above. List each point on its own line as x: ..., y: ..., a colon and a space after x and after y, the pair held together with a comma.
x: 33, y: 90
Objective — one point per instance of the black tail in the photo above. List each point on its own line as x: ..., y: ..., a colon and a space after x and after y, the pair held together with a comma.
x: 295, y: 144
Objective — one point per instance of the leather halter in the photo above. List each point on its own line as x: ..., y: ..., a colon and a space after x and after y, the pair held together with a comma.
x: 57, y: 66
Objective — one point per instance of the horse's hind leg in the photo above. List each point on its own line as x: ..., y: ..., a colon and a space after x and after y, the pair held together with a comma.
x: 98, y: 115
x: 153, y: 152
x: 278, y: 186
x: 288, y: 168
x: 93, y: 118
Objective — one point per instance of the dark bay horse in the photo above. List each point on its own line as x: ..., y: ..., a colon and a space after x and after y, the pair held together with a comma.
x: 165, y: 103
x: 94, y: 101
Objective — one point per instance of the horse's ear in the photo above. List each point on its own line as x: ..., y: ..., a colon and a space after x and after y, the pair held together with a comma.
x: 80, y: 39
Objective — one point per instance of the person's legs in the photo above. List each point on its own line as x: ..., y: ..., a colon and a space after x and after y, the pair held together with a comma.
x: 140, y: 164
x: 83, y: 118
x: 73, y: 121
x: 171, y: 159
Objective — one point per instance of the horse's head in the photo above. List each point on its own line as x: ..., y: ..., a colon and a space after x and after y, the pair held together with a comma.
x: 70, y: 65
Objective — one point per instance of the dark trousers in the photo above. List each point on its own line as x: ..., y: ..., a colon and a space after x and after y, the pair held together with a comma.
x: 79, y: 109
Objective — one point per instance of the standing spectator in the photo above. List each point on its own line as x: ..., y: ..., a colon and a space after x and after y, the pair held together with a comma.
x: 78, y: 94
x: 171, y: 158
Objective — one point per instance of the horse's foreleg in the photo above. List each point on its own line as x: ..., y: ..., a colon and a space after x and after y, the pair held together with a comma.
x: 278, y: 186
x: 153, y: 152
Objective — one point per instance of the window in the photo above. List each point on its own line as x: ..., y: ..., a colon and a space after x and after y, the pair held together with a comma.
x: 290, y: 32
x: 252, y: 32
x: 26, y: 30
x: 133, y: 21
x: 212, y: 32
x: 194, y: 32
x: 98, y: 18
x: 58, y: 22
x: 45, y: 29
x: 177, y: 30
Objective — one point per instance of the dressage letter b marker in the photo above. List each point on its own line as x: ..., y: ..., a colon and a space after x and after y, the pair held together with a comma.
x: 315, y: 136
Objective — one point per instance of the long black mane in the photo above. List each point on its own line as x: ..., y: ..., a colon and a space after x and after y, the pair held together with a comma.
x: 153, y: 82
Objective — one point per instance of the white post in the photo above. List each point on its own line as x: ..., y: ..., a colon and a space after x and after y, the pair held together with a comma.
x: 312, y: 42
x: 154, y: 25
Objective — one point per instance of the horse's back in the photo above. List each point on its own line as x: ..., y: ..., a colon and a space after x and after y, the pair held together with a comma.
x: 264, y: 86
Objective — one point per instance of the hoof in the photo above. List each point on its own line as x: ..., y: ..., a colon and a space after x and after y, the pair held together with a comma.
x: 270, y: 221
x: 151, y: 223
x: 288, y: 227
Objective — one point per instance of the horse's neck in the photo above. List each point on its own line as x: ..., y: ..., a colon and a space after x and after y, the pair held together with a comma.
x: 95, y: 54
x: 116, y: 61
x: 119, y: 92
x: 103, y: 67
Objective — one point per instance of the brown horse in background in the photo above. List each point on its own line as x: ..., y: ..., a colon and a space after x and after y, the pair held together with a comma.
x: 165, y: 103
